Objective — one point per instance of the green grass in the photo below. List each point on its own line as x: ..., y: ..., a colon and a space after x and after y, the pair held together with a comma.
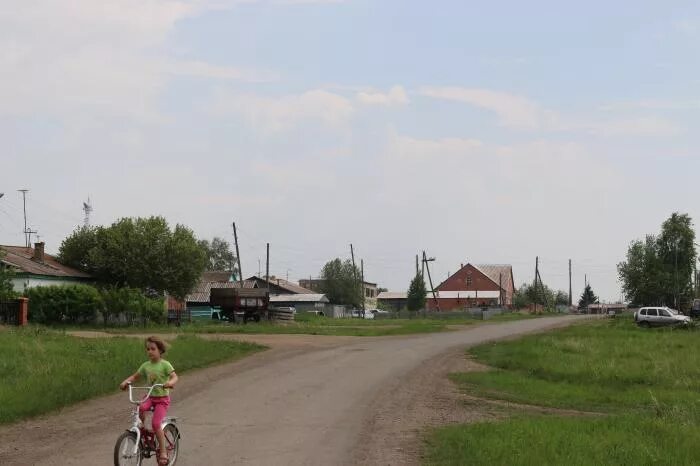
x: 646, y: 383
x: 43, y: 370
x: 315, y: 325
x: 307, y: 325
x: 538, y: 441
x: 610, y: 365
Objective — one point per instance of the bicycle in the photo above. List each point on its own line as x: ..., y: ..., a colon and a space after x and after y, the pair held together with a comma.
x: 137, y: 442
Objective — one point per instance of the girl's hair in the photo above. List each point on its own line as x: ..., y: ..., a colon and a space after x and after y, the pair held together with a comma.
x: 158, y: 342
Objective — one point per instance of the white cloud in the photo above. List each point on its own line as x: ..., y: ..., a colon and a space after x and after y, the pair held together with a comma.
x: 524, y: 114
x: 513, y: 111
x: 396, y: 96
x: 688, y: 26
x: 207, y: 70
x: 652, y: 104
x: 276, y: 114
x: 634, y: 126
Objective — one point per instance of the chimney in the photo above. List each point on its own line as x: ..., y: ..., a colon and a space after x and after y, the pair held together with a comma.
x: 38, y: 252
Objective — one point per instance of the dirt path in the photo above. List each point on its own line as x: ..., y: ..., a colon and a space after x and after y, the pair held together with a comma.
x: 307, y: 401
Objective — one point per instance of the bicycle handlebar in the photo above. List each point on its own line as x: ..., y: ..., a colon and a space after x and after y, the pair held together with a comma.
x: 150, y: 390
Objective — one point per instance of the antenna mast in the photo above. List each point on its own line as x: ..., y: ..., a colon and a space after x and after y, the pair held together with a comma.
x: 87, y: 208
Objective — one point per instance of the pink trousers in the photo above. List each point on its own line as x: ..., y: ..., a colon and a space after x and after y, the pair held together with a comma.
x: 159, y: 405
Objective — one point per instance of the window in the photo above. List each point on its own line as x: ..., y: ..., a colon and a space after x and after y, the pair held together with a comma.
x: 643, y: 312
x: 469, y: 280
x: 651, y: 312
x: 664, y: 313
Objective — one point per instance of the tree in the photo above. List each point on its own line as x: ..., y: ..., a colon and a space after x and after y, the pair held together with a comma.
x: 340, y: 282
x: 588, y: 297
x: 219, y: 255
x: 416, y: 293
x: 141, y: 253
x: 561, y: 298
x: 6, y: 275
x: 75, y: 249
x: 677, y: 252
x: 528, y: 294
x: 659, y: 269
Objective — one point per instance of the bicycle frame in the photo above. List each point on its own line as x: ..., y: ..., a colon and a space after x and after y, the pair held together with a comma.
x: 135, y: 419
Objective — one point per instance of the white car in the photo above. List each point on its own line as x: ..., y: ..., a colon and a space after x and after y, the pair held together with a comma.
x: 360, y: 314
x: 657, y: 316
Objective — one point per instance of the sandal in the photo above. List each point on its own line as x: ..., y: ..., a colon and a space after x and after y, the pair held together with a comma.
x: 163, y: 459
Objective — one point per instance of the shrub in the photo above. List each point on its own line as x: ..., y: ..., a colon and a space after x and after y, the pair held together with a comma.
x: 133, y: 305
x: 63, y: 304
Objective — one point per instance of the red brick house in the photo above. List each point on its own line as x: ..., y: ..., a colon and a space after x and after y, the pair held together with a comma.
x: 475, y: 286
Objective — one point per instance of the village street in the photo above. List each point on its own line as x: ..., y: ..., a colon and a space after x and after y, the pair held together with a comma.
x: 308, y: 400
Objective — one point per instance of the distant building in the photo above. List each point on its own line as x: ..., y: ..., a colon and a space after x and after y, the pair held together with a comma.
x: 485, y: 285
x: 301, y: 302
x: 280, y: 286
x: 392, y: 300
x: 34, y: 267
x: 316, y: 284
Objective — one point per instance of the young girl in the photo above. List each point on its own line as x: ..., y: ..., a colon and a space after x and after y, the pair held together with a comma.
x: 155, y: 370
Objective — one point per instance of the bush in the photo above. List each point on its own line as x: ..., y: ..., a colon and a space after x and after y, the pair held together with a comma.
x: 133, y: 305
x: 63, y: 304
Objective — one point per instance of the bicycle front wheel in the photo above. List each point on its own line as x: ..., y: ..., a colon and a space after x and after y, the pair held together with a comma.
x: 124, y: 451
x: 172, y: 442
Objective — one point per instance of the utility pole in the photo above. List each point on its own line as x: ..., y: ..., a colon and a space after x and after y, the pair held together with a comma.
x: 500, y: 289
x: 416, y: 264
x: 362, y: 275
x: 267, y: 268
x: 570, y: 298
x: 238, y: 255
x: 354, y: 270
x: 24, y: 202
x: 425, y: 263
x: 537, y: 274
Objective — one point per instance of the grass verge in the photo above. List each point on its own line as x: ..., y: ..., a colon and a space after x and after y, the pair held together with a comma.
x: 43, y: 370
x: 644, y: 381
x: 314, y: 325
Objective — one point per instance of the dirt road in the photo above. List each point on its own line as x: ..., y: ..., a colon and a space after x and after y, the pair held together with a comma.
x: 306, y: 401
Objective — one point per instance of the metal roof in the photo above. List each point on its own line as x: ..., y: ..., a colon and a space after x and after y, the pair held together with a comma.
x: 393, y: 295
x: 299, y: 298
x: 463, y: 294
x: 202, y: 292
x: 21, y: 258
x: 496, y: 271
x: 284, y: 284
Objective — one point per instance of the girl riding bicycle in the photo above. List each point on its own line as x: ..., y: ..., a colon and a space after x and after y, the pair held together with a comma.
x: 155, y: 371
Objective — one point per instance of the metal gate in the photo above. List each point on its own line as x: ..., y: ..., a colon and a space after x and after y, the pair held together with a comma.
x: 9, y: 312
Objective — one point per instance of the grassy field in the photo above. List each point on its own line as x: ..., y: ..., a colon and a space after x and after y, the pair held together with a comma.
x: 645, y: 382
x: 43, y: 370
x: 315, y: 325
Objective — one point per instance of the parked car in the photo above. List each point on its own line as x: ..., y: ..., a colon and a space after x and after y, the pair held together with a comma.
x: 657, y: 316
x: 360, y: 314
x: 378, y: 312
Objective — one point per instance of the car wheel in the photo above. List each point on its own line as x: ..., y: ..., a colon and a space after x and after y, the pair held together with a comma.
x: 645, y: 324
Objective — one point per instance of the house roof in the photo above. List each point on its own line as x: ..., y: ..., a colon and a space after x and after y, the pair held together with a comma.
x: 299, y: 298
x: 496, y: 272
x: 202, y: 292
x: 464, y: 294
x: 284, y: 284
x: 393, y: 295
x: 21, y: 258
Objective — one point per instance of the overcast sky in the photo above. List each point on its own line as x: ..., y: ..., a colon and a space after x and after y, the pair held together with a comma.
x: 483, y: 133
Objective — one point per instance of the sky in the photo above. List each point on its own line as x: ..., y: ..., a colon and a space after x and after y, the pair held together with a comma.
x: 482, y: 133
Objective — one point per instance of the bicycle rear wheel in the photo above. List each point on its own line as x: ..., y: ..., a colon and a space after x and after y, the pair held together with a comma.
x: 172, y: 442
x: 124, y: 450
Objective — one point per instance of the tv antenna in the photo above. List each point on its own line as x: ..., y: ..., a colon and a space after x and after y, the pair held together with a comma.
x: 87, y: 208
x: 28, y: 232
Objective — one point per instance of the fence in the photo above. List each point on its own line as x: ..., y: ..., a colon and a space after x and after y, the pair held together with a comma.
x: 14, y: 312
